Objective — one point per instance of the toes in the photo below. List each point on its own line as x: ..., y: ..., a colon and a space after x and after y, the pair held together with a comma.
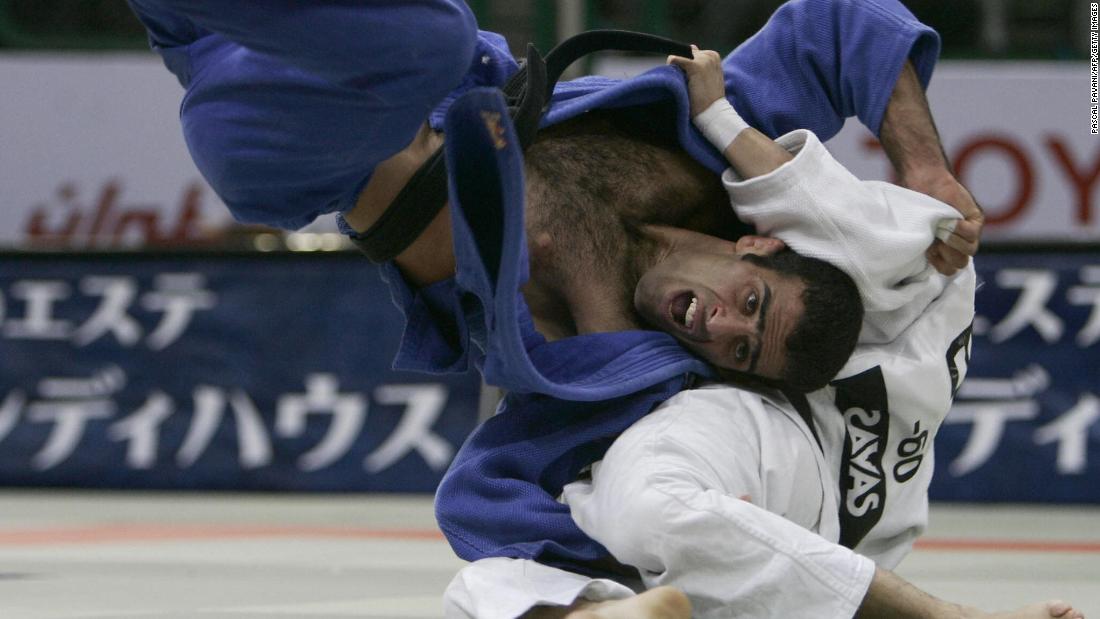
x: 1063, y: 610
x: 1057, y: 608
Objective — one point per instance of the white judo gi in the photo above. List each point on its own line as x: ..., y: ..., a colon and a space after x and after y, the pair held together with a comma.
x: 726, y: 493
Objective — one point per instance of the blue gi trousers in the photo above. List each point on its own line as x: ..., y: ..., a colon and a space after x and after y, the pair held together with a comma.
x: 291, y: 103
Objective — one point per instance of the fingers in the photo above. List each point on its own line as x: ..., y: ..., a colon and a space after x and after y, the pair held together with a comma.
x: 966, y: 237
x: 949, y: 256
x: 938, y: 263
x: 699, y: 58
x: 967, y: 205
x: 759, y: 245
x: 678, y: 61
x: 946, y: 260
x: 744, y: 244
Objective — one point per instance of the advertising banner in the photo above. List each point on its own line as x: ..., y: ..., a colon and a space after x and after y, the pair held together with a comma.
x: 267, y: 373
x: 1020, y: 137
x: 1025, y: 425
x: 273, y: 373
x: 93, y: 155
x: 1018, y: 133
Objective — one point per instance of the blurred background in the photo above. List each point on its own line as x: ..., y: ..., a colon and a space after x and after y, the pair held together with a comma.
x: 199, y: 419
x: 1000, y: 29
x: 148, y: 342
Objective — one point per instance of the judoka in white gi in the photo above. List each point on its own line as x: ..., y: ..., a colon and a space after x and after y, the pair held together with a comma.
x: 748, y: 505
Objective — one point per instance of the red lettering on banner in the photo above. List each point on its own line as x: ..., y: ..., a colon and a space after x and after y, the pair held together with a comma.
x: 1025, y: 180
x: 107, y: 199
x: 1081, y: 175
x: 36, y: 225
x: 110, y: 224
x: 974, y: 147
x: 1082, y: 181
x: 142, y: 221
x: 187, y: 226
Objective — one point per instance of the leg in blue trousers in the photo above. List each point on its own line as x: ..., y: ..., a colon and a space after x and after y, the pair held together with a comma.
x: 289, y: 105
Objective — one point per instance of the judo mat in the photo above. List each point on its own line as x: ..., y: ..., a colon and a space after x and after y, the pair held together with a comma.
x: 68, y: 554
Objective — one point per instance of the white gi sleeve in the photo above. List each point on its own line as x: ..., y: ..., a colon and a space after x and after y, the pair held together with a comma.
x: 677, y: 497
x: 875, y: 232
x: 500, y: 588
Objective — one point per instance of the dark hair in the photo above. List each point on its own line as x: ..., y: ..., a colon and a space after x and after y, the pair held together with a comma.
x: 826, y: 335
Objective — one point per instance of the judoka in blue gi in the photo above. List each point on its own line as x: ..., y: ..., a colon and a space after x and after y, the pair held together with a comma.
x: 295, y: 110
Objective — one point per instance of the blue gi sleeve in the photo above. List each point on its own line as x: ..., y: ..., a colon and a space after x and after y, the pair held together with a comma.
x: 436, y: 339
x: 818, y: 62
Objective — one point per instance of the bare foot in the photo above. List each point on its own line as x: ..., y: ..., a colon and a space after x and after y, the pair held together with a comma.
x: 1054, y: 609
x: 659, y: 603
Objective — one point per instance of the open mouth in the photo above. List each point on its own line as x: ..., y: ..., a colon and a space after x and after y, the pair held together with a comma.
x: 683, y: 308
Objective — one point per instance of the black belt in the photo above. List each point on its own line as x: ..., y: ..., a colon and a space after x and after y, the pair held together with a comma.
x: 527, y: 93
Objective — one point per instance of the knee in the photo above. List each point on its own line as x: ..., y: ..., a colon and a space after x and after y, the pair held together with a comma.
x: 646, y: 510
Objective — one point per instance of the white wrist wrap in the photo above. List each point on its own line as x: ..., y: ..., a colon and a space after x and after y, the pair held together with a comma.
x: 720, y: 123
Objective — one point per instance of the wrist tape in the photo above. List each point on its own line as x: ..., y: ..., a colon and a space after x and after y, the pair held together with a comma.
x: 720, y: 123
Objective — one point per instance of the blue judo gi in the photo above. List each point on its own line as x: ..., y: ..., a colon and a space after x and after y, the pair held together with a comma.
x: 290, y: 105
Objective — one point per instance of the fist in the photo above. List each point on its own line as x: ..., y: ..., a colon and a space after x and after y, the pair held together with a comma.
x: 953, y: 255
x: 706, y: 82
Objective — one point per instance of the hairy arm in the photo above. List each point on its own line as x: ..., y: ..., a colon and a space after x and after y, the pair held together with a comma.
x: 909, y: 136
x: 891, y: 596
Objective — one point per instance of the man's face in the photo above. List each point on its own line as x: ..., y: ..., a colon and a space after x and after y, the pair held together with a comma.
x: 731, y: 312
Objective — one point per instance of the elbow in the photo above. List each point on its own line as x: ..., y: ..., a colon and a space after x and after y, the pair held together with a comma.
x: 648, y: 513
